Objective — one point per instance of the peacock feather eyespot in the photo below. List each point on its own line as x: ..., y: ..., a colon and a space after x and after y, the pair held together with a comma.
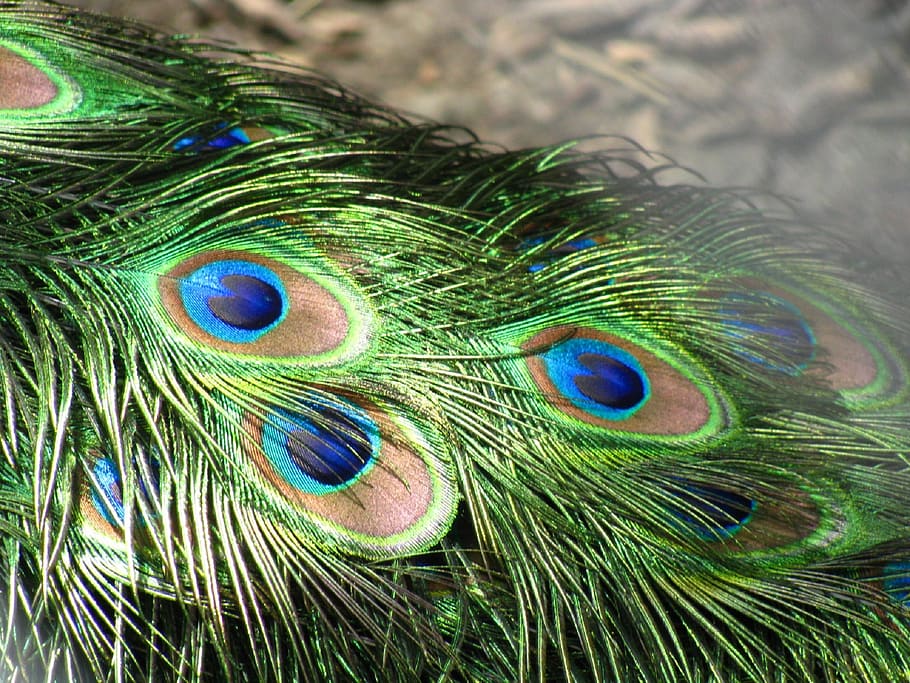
x: 28, y: 84
x: 356, y: 476
x: 244, y: 303
x: 807, y: 333
x: 614, y: 382
x: 557, y: 251
x: 787, y: 519
x: 774, y: 333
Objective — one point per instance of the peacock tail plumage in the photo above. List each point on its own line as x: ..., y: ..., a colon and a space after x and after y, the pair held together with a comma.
x: 293, y: 388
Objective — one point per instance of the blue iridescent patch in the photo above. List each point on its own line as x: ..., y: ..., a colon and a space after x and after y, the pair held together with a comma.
x: 775, y: 334
x: 107, y: 490
x: 199, y: 143
x: 711, y: 513
x: 322, y: 451
x: 599, y: 378
x: 897, y: 582
x: 233, y: 300
x: 107, y: 495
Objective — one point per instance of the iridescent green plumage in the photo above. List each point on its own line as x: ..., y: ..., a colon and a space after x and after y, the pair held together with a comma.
x: 296, y: 389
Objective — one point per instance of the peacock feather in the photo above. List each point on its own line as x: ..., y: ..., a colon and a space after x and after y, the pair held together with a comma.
x: 296, y: 389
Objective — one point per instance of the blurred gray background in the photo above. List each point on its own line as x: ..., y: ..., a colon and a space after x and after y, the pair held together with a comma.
x: 806, y: 98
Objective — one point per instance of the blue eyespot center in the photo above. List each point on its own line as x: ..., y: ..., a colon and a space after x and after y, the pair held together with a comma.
x: 107, y: 490
x: 107, y: 495
x: 611, y: 383
x: 712, y: 513
x: 233, y: 300
x: 322, y: 450
x: 253, y: 304
x: 598, y: 377
x: 556, y: 252
x: 775, y: 333
x: 229, y: 138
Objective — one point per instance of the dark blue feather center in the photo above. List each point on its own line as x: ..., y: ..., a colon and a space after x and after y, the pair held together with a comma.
x: 556, y: 252
x: 107, y: 497
x: 611, y: 383
x: 333, y: 451
x: 253, y: 304
x: 597, y: 377
x: 775, y: 334
x: 712, y: 513
x: 234, y: 300
x: 107, y: 490
x: 321, y: 449
x: 230, y: 138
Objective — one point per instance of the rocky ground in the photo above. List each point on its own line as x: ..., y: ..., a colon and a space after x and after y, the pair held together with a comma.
x: 806, y: 98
